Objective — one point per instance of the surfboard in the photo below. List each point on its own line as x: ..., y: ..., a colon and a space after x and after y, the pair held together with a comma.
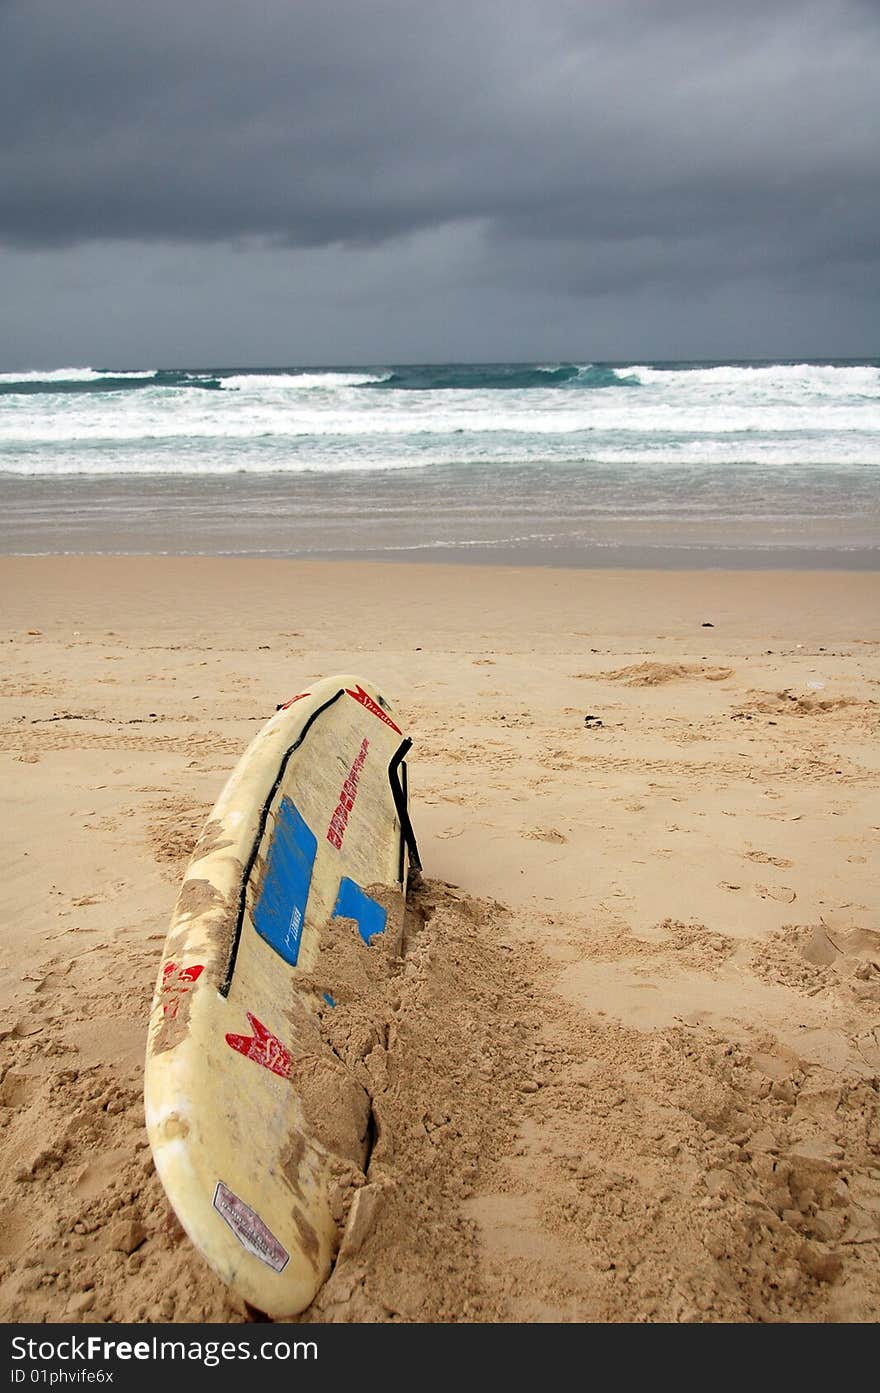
x: 254, y: 1122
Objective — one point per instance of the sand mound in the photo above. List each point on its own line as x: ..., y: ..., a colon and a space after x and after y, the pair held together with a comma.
x: 440, y: 1044
x: 656, y: 674
x: 790, y: 703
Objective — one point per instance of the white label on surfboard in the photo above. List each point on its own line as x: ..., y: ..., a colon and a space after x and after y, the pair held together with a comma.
x: 249, y: 1229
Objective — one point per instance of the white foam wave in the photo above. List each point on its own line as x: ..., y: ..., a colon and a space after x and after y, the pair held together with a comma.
x: 810, y: 378
x: 577, y: 421
x: 69, y: 375
x: 287, y: 422
x: 823, y: 453
x: 179, y: 464
x: 795, y: 460
x: 299, y: 381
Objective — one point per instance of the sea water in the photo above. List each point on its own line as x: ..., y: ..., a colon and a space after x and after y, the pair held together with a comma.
x: 566, y: 463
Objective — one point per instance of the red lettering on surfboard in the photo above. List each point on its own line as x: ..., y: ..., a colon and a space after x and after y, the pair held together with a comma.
x: 176, y: 982
x: 299, y: 696
x: 366, y: 700
x: 347, y: 795
x: 263, y: 1048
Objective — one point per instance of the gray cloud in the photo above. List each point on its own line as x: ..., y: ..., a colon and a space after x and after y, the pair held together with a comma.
x: 563, y: 146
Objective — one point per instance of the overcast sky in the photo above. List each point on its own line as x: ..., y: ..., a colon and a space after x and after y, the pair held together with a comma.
x: 215, y: 182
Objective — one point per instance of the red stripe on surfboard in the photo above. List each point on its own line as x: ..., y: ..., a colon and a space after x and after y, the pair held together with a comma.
x: 299, y: 696
x: 347, y: 796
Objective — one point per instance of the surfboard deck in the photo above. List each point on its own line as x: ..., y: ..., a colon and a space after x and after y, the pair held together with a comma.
x: 307, y: 846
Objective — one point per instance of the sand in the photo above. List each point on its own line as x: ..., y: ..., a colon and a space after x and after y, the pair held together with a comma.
x: 627, y: 1066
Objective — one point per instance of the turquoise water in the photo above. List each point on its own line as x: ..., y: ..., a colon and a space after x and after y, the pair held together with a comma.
x: 585, y: 463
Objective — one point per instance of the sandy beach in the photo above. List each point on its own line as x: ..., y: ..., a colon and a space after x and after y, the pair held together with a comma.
x: 634, y: 1071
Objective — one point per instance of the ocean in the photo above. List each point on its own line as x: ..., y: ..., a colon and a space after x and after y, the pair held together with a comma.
x: 585, y: 464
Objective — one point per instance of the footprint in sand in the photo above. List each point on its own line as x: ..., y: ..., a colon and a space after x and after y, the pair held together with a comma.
x: 783, y: 893
x: 765, y: 859
x: 868, y: 1046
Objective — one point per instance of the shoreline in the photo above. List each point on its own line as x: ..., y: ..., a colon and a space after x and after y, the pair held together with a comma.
x: 527, y: 517
x: 659, y: 560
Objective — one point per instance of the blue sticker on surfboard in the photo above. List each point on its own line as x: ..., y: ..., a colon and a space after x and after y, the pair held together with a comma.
x: 281, y: 908
x: 353, y: 903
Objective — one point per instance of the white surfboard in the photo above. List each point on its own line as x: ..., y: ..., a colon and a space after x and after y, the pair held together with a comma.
x: 309, y: 841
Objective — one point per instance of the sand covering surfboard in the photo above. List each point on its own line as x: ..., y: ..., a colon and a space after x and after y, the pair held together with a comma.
x: 258, y: 1129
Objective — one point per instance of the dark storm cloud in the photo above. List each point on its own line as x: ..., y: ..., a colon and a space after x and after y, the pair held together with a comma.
x: 590, y: 143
